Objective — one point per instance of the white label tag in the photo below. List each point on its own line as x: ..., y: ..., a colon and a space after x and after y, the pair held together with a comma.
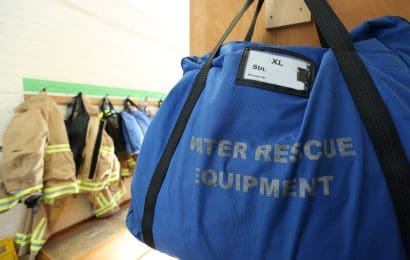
x: 276, y: 68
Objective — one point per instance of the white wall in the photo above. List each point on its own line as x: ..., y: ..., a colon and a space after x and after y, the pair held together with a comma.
x: 124, y: 43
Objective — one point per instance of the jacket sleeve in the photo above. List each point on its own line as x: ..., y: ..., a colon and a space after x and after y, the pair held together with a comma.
x: 59, y: 167
x: 24, y: 143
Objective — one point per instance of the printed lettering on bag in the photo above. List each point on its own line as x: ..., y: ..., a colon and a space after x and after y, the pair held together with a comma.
x: 269, y: 186
x: 264, y: 186
x: 277, y: 70
x: 276, y: 153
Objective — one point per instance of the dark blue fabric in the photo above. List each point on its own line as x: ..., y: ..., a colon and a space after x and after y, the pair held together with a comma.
x: 132, y: 133
x: 200, y: 218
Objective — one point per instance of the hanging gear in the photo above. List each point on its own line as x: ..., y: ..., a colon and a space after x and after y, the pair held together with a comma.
x: 132, y: 131
x: 113, y: 125
x: 99, y: 166
x: 76, y: 125
x: 140, y: 115
x: 37, y: 168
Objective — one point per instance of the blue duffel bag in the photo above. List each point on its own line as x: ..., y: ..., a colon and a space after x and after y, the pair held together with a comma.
x: 281, y: 152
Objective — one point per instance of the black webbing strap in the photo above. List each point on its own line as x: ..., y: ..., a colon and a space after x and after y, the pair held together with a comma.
x: 373, y: 112
x: 258, y: 8
x: 322, y: 40
x: 163, y: 164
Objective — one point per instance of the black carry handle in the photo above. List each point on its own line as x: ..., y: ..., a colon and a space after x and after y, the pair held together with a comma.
x: 251, y: 28
x: 369, y: 103
x: 249, y: 34
x: 163, y: 164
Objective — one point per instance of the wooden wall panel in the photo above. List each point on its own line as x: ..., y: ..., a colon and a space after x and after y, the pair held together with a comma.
x: 209, y: 19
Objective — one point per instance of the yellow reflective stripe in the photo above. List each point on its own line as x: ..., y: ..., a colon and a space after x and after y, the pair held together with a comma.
x: 39, y: 229
x: 88, y: 188
x: 113, y: 179
x: 24, y: 236
x: 37, y: 245
x: 112, y: 204
x: 21, y: 242
x: 106, y: 149
x: 48, y: 201
x: 36, y: 240
x: 22, y: 193
x: 22, y: 239
x: 58, y: 188
x: 105, y: 209
x: 91, y: 186
x: 61, y: 150
x: 125, y: 172
x: 66, y: 191
x: 50, y: 193
x: 115, y: 173
x: 100, y: 115
x: 115, y: 176
x: 103, y: 198
x: 58, y: 148
x: 105, y: 206
x: 8, y: 202
x: 100, y: 202
x: 50, y: 146
x: 119, y: 194
x: 108, y: 205
x: 131, y: 162
x: 42, y: 231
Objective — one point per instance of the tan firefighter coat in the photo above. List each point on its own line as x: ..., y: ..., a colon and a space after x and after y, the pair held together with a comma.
x: 37, y: 162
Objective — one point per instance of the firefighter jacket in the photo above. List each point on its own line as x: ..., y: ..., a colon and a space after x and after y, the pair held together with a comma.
x: 37, y: 168
x: 39, y: 224
x: 98, y: 167
x: 37, y: 160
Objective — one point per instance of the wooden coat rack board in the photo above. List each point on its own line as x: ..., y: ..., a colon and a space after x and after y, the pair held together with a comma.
x: 61, y: 92
x: 63, y: 100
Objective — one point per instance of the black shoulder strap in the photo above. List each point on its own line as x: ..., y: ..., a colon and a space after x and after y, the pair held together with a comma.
x: 163, y: 164
x: 373, y: 112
